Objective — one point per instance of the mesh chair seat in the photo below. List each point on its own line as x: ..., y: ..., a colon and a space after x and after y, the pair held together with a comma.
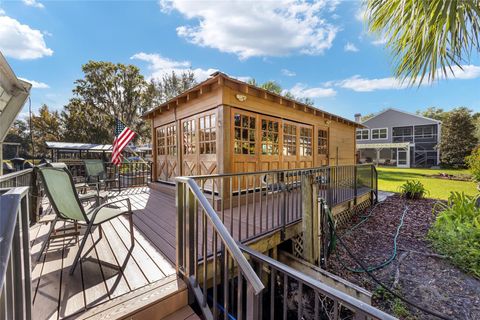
x: 66, y: 203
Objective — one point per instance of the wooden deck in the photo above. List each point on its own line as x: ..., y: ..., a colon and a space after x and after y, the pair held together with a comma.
x: 113, y: 278
x: 111, y: 269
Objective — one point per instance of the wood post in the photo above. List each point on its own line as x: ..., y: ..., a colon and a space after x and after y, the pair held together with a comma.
x: 310, y: 221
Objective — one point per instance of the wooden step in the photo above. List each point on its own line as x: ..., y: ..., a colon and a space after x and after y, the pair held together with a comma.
x: 186, y: 313
x: 155, y: 301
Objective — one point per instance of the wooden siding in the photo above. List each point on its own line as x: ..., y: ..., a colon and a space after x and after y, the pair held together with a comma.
x: 225, y: 97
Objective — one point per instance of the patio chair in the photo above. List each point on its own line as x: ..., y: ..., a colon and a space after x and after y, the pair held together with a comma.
x: 95, y: 171
x: 63, y: 196
x: 83, y: 187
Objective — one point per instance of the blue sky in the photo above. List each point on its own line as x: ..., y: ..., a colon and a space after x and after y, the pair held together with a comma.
x: 316, y: 49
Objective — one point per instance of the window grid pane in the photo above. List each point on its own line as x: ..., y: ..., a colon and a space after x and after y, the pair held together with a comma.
x: 208, y: 135
x: 322, y: 142
x: 269, y: 137
x: 289, y: 140
x: 305, y: 142
x: 244, y: 134
x: 189, y: 137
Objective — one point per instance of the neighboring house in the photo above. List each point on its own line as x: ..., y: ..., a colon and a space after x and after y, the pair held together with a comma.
x: 400, y: 139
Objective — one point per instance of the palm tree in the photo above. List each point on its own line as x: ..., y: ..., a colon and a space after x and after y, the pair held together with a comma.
x: 427, y: 37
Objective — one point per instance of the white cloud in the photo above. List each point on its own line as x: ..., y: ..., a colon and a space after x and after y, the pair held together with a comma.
x: 2, y: 12
x: 302, y: 91
x: 350, y: 47
x: 469, y: 71
x: 288, y: 73
x: 33, y: 3
x: 257, y: 28
x: 356, y: 83
x: 380, y: 41
x: 37, y: 84
x: 159, y: 66
x: 359, y: 84
x: 19, y: 41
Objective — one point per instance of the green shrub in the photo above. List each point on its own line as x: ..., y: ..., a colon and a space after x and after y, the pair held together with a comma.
x: 413, y: 189
x: 456, y: 231
x: 473, y: 162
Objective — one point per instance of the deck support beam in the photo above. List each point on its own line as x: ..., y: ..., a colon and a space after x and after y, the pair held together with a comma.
x: 310, y: 221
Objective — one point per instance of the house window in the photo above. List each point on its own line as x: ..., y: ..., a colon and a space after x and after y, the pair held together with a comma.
x: 305, y: 142
x: 189, y: 137
x: 378, y: 134
x: 425, y: 132
x: 160, y: 141
x: 244, y: 131
x: 362, y: 134
x: 269, y: 137
x: 171, y: 140
x: 289, y: 140
x: 207, y: 134
x: 322, y: 142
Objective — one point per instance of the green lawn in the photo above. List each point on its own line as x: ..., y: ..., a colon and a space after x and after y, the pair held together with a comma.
x: 389, y: 179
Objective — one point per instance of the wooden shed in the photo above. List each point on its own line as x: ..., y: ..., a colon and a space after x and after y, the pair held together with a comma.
x: 224, y: 125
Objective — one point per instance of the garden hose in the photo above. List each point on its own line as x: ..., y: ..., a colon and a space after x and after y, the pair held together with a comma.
x: 394, y: 251
x: 369, y: 273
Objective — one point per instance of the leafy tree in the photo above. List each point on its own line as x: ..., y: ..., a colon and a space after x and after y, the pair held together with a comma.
x: 171, y: 85
x: 116, y: 90
x: 477, y: 128
x: 433, y: 113
x: 17, y: 133
x: 473, y: 162
x: 46, y: 126
x: 425, y: 36
x: 367, y: 116
x: 77, y: 114
x: 457, y: 140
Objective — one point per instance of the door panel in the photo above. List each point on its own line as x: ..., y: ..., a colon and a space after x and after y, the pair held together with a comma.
x: 270, y: 142
x: 167, y: 162
x: 305, y: 145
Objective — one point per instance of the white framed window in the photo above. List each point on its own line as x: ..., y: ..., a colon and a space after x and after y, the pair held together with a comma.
x: 363, y: 134
x: 379, y: 134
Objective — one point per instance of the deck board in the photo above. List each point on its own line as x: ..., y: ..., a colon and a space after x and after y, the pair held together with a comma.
x: 112, y: 269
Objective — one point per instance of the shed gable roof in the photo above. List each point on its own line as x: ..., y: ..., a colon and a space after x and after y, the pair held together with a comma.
x: 398, y: 118
x: 219, y: 78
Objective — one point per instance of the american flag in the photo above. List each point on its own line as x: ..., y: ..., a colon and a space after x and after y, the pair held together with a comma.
x: 123, y: 135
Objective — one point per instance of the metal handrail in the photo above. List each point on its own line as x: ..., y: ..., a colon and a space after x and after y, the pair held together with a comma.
x: 227, y: 239
x: 16, y: 174
x: 223, y: 175
x: 15, y: 270
x: 316, y: 285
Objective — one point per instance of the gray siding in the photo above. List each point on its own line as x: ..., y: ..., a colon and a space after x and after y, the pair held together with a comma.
x: 392, y: 118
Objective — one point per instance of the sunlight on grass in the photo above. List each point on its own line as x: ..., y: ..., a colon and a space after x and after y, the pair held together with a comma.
x: 390, y: 179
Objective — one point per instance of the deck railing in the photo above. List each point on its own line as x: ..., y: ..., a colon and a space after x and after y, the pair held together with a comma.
x: 293, y: 294
x: 256, y: 203
x: 200, y: 232
x: 15, y: 277
x: 210, y: 249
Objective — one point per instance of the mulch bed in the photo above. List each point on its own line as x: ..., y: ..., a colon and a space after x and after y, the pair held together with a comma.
x: 419, y: 273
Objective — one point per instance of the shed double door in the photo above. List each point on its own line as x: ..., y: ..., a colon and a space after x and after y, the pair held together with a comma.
x: 167, y: 153
x: 262, y: 143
